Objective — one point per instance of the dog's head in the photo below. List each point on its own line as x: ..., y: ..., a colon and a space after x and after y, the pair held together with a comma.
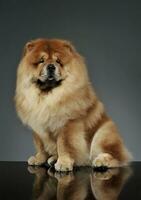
x: 48, y: 61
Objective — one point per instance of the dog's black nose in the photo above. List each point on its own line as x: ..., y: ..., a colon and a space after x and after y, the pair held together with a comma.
x: 51, y: 67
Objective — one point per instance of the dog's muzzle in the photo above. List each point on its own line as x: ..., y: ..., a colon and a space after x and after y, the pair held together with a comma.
x: 48, y: 78
x: 50, y: 71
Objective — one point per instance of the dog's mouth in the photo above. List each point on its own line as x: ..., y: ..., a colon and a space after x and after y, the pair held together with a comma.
x: 47, y: 83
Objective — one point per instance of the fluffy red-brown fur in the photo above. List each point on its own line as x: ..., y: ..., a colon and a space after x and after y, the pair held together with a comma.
x: 69, y: 121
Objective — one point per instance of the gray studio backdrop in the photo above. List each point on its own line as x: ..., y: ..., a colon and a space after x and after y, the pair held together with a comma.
x: 106, y: 33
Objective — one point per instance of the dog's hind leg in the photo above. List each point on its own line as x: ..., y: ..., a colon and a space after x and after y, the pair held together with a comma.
x: 107, y: 148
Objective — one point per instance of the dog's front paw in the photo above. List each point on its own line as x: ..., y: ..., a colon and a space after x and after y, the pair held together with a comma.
x: 52, y: 160
x: 105, y: 160
x: 38, y: 159
x: 64, y: 164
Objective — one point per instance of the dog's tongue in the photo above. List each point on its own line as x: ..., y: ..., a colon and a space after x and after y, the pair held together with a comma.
x: 50, y: 78
x: 46, y: 78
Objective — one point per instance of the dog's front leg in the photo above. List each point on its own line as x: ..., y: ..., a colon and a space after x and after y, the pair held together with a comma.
x: 66, y: 146
x: 41, y: 156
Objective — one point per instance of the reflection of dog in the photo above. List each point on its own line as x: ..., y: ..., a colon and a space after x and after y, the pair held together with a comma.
x: 44, y: 185
x: 108, y: 185
x: 83, y: 184
x: 55, y: 98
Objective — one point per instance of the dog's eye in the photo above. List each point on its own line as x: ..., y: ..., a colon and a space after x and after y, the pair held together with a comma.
x: 36, y: 63
x: 59, y: 62
x: 41, y: 60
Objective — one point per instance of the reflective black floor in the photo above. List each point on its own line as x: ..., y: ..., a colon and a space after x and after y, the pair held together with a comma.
x: 18, y: 182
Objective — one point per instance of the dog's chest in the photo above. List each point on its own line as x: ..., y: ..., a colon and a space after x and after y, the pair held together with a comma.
x: 40, y: 113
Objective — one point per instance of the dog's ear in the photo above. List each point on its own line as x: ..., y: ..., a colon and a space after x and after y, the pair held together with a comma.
x: 28, y: 47
x: 69, y: 46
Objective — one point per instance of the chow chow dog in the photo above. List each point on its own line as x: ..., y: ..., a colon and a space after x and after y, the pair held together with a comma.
x: 55, y: 98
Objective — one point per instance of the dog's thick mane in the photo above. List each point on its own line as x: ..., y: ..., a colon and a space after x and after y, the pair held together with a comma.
x: 53, y: 109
